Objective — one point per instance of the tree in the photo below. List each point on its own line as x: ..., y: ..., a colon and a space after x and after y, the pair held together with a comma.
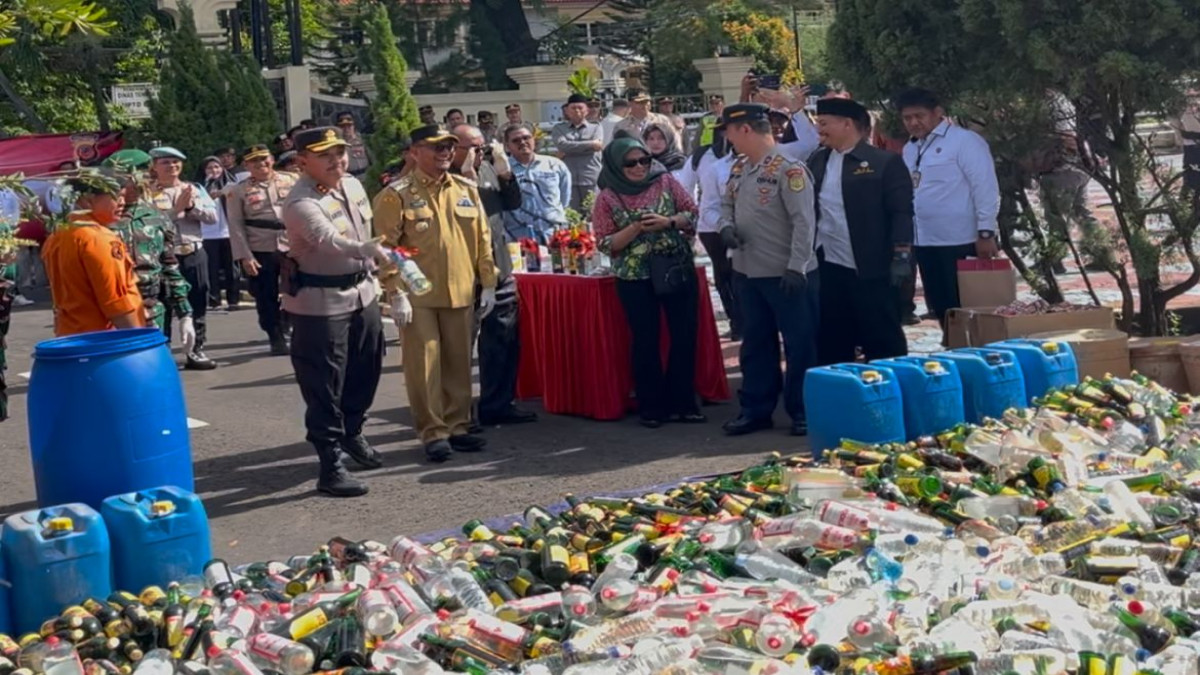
x: 194, y: 109
x: 393, y: 108
x: 1113, y: 65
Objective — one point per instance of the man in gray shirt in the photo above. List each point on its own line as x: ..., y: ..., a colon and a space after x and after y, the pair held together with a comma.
x: 768, y: 221
x: 331, y: 296
x: 579, y: 143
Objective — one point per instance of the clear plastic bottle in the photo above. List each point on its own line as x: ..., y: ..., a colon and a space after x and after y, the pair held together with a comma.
x: 1037, y: 660
x: 231, y: 662
x: 625, y: 595
x: 239, y: 620
x: 1126, y: 506
x: 800, y: 530
x: 622, y: 566
x: 842, y: 514
x: 578, y: 603
x: 776, y: 635
x: 378, y: 615
x: 61, y: 658
x: 869, y: 632
x: 763, y: 563
x: 402, y: 658
x: 280, y: 654
x: 723, y: 535
x: 156, y: 662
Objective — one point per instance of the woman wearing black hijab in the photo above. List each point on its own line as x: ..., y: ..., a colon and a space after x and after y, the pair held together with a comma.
x: 222, y: 273
x: 663, y: 147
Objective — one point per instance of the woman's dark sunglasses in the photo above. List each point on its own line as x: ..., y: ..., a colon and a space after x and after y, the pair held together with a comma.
x: 644, y: 161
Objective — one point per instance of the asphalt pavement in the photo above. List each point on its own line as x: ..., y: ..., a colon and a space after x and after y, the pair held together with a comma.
x: 257, y: 475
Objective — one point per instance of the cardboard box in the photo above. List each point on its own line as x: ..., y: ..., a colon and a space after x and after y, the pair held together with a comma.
x: 975, y: 327
x: 986, y: 283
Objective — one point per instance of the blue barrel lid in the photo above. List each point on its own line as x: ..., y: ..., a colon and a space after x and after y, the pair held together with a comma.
x: 99, y: 343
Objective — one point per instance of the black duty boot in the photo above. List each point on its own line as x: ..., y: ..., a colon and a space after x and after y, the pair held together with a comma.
x: 361, y: 452
x: 279, y: 345
x: 334, y: 480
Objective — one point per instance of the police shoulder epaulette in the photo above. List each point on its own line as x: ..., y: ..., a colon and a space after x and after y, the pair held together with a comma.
x: 739, y: 165
x: 401, y: 184
x: 464, y: 180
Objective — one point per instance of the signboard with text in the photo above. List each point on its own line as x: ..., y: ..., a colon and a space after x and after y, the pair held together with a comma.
x: 134, y: 98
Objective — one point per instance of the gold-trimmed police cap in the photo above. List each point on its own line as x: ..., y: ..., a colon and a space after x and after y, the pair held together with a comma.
x: 256, y: 151
x: 431, y: 133
x: 739, y: 113
x: 319, y: 139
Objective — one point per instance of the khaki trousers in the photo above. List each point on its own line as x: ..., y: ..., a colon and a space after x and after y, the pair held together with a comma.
x: 437, y: 370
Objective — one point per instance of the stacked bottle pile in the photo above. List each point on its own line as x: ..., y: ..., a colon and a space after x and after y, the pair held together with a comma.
x: 1058, y: 539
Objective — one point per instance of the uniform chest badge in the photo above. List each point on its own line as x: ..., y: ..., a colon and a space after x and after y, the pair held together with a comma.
x: 422, y: 225
x: 863, y: 168
x: 418, y: 203
x: 465, y: 201
x: 796, y: 180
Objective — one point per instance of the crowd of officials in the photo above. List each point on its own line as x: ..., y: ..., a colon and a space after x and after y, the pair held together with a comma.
x: 814, y: 234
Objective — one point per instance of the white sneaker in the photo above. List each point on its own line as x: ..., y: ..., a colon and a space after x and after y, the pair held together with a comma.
x: 22, y: 301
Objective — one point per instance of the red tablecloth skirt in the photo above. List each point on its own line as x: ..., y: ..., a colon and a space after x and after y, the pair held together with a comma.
x: 575, y: 346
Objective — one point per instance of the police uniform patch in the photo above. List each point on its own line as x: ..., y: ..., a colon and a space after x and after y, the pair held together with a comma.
x: 423, y: 225
x: 796, y: 179
x: 465, y: 201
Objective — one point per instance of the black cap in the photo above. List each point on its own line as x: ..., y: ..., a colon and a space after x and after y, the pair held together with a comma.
x: 576, y: 98
x: 512, y: 106
x: 425, y: 108
x: 431, y: 133
x: 256, y: 151
x: 343, y: 116
x: 842, y: 107
x: 319, y: 139
x: 743, y: 112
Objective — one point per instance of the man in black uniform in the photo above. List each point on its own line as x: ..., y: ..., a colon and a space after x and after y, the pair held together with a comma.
x: 864, y: 236
x: 498, y: 334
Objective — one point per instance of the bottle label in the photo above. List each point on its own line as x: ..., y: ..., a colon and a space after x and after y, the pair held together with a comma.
x: 269, y: 646
x: 308, y: 623
x: 844, y: 515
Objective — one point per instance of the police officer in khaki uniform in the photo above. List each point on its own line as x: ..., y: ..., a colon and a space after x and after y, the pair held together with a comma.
x: 254, y: 208
x: 440, y: 216
x: 330, y: 295
x: 768, y: 221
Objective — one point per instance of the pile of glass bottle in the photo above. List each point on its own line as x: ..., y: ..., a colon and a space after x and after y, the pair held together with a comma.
x: 1058, y: 539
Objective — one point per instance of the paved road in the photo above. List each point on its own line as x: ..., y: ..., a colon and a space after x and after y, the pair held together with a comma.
x: 257, y: 475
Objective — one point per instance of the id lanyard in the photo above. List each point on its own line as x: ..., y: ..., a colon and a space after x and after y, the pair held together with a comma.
x: 922, y: 148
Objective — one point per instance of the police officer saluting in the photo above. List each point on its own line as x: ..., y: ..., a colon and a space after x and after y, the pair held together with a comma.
x: 330, y: 296
x: 767, y: 219
x: 257, y: 235
x: 439, y: 215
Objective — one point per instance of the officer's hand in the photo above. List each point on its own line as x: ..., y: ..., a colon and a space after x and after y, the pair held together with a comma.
x: 901, y: 268
x: 500, y: 159
x: 187, y: 334
x: 402, y: 311
x: 375, y: 249
x: 793, y: 282
x: 986, y: 248
x: 730, y: 239
x: 186, y: 198
x: 250, y: 267
x: 487, y: 302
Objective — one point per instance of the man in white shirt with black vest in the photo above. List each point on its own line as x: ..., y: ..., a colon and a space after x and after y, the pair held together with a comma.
x: 955, y: 198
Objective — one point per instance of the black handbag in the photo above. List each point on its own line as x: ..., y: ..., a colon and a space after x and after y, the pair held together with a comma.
x: 671, y: 274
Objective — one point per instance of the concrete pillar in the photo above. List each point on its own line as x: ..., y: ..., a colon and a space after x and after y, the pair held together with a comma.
x: 364, y: 83
x: 539, y: 85
x: 208, y: 25
x: 297, y: 92
x: 723, y: 75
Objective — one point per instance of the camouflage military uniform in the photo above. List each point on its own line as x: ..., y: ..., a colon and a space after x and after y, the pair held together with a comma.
x: 150, y: 239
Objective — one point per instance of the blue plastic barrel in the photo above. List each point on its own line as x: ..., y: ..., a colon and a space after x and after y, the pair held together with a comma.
x: 931, y: 390
x: 158, y: 536
x: 57, y: 557
x: 992, y: 381
x: 854, y: 401
x: 106, y: 417
x: 1046, y: 364
x: 5, y: 594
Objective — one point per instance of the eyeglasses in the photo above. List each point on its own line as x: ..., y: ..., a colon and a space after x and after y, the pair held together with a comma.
x: 644, y: 161
x: 520, y: 139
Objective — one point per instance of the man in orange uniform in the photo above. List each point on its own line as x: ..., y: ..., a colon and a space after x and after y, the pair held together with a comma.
x: 91, y: 274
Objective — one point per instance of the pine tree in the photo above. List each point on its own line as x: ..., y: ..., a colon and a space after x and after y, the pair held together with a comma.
x: 393, y: 109
x: 206, y: 100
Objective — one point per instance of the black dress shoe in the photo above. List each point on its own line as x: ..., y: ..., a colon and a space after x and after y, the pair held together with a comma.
x: 650, y: 423
x: 689, y: 418
x: 279, y: 346
x: 438, y: 451
x: 198, y: 360
x: 800, y: 428
x: 359, y: 450
x: 474, y: 427
x: 467, y: 443
x: 511, y: 415
x: 740, y: 426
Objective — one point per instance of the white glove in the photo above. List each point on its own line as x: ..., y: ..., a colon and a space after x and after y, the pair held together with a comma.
x: 500, y: 159
x: 374, y: 249
x: 402, y: 312
x: 187, y: 333
x: 487, y: 302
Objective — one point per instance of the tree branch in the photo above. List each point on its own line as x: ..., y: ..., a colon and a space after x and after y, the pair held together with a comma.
x: 22, y: 106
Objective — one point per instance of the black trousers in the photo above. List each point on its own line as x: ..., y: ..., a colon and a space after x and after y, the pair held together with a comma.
x: 499, y: 352
x: 222, y: 272
x: 194, y: 268
x: 265, y: 288
x: 772, y: 313
x: 939, y: 276
x: 723, y: 271
x: 659, y: 393
x: 338, y: 360
x: 857, y: 313
x: 907, y: 292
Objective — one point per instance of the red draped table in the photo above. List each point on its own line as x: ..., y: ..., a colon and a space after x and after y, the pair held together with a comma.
x: 575, y: 346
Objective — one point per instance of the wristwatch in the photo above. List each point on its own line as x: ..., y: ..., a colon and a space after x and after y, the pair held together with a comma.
x: 987, y: 234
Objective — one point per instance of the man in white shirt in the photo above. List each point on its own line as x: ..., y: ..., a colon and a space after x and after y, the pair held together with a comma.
x: 619, y: 111
x: 864, y: 232
x: 712, y: 175
x: 956, y: 197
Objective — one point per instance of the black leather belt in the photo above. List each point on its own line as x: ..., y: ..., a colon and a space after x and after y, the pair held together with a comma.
x: 264, y: 224
x: 339, y: 281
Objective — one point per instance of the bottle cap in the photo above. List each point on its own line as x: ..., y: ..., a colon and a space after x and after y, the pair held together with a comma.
x: 871, y: 376
x: 1050, y: 347
x: 60, y: 524
x: 933, y: 368
x: 162, y: 508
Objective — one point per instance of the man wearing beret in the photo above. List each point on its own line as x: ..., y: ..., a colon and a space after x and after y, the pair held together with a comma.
x: 189, y: 208
x: 767, y: 220
x: 91, y: 274
x: 864, y: 236
x: 150, y: 240
x: 579, y: 143
x: 331, y: 298
x: 439, y: 216
x: 257, y: 236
